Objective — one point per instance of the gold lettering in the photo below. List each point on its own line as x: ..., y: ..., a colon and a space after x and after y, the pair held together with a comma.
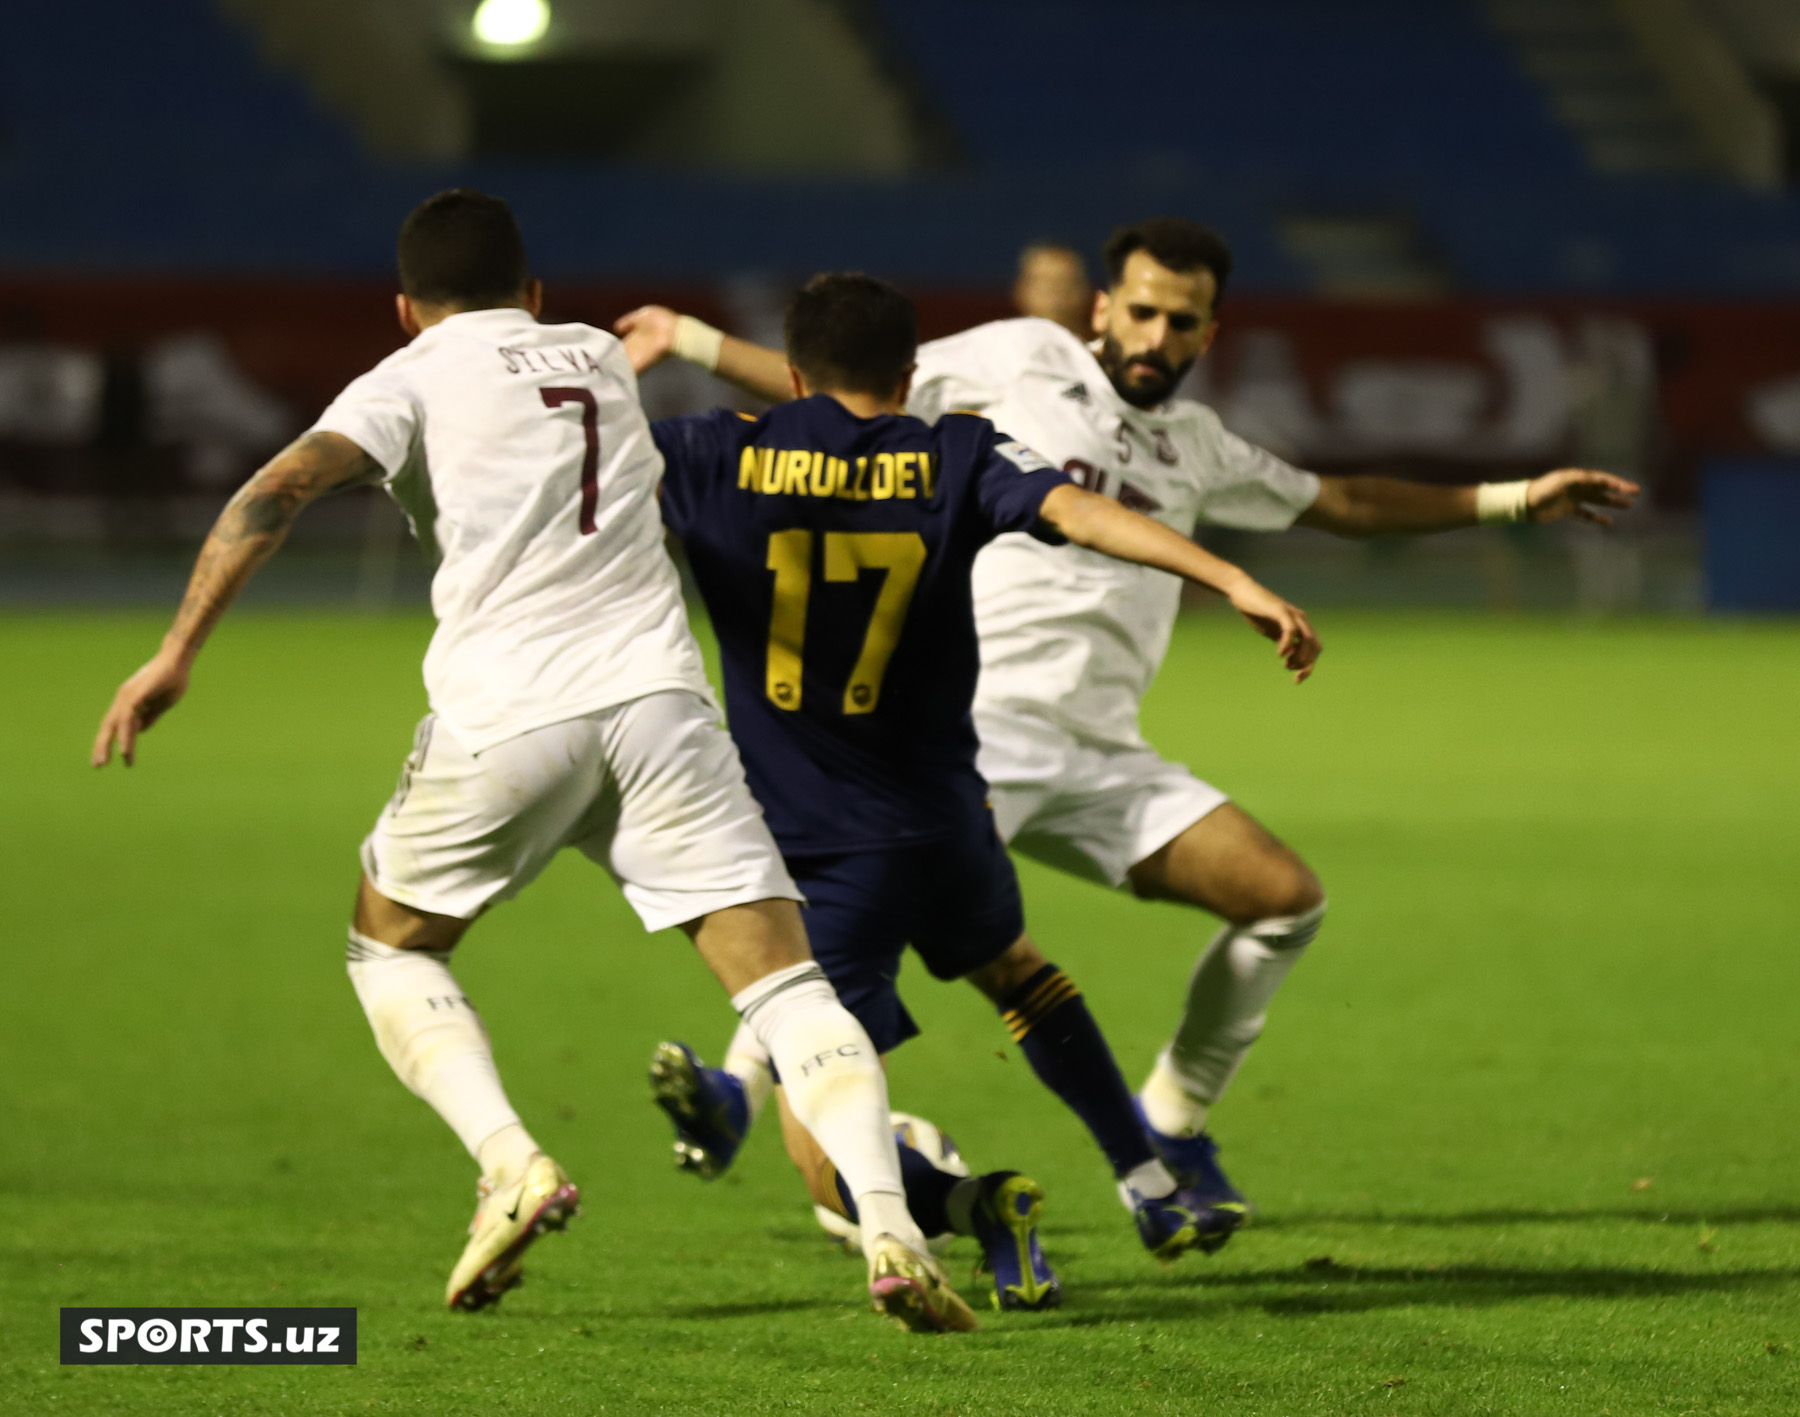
x: 927, y: 476
x: 820, y: 480
x: 903, y: 474
x: 837, y: 473
x: 883, y: 486
x: 771, y: 472
x: 859, y: 493
x: 793, y: 481
x: 749, y: 475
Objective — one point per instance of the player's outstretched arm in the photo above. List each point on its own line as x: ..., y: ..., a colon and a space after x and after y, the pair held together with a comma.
x: 254, y: 523
x: 1371, y: 506
x: 651, y: 333
x: 1101, y: 524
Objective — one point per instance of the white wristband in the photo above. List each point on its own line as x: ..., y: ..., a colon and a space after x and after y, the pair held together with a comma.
x: 1502, y: 502
x: 698, y: 342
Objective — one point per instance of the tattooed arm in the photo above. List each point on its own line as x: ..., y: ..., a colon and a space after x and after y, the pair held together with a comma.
x: 253, y: 525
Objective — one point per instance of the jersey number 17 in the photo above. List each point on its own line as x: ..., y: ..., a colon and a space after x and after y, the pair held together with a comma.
x: 899, y: 554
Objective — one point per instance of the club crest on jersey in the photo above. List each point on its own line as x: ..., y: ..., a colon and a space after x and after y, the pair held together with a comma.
x: 1077, y: 391
x: 1165, y: 447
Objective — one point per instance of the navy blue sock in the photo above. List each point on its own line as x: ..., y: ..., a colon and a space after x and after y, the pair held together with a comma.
x: 1053, y: 1028
x: 927, y: 1191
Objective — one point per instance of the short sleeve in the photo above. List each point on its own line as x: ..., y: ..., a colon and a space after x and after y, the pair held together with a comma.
x: 690, y: 448
x: 379, y: 414
x: 1011, y: 483
x: 1254, y: 490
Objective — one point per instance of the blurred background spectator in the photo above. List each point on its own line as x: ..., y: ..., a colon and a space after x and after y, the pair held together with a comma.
x: 1053, y: 284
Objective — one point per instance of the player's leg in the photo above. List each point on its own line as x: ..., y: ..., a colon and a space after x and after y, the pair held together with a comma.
x: 1051, y: 1023
x: 689, y: 846
x: 1272, y: 903
x: 1000, y: 1210
x: 460, y: 833
x: 956, y: 901
x: 429, y: 1032
x: 1119, y: 814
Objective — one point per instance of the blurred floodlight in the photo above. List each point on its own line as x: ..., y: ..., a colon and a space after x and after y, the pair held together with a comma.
x: 511, y: 23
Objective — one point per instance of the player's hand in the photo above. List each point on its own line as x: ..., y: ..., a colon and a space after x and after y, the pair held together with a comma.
x: 1272, y: 617
x: 1577, y: 492
x: 649, y: 335
x: 142, y: 699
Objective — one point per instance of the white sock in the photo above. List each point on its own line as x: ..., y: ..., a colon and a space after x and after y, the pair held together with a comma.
x: 434, y: 1041
x: 1227, y: 1002
x: 836, y: 1088
x: 504, y: 1156
x: 748, y: 1061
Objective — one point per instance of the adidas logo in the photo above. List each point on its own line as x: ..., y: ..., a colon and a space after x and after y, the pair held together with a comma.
x: 1077, y: 391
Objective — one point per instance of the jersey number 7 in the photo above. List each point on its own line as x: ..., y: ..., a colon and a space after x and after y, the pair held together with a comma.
x: 848, y: 554
x: 590, y: 453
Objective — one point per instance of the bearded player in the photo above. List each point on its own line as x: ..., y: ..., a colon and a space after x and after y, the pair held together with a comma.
x: 569, y: 709
x: 1070, y: 640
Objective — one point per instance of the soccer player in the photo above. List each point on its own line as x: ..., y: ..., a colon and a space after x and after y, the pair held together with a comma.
x: 568, y: 708
x: 1070, y: 641
x: 833, y: 540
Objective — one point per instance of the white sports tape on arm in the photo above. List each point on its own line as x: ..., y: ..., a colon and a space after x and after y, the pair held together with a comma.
x: 1502, y: 502
x: 698, y: 342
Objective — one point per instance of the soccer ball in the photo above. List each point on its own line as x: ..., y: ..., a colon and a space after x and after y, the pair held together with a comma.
x: 923, y: 1137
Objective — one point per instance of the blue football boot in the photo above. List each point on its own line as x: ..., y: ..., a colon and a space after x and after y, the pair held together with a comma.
x: 1167, y: 1227
x: 707, y: 1105
x: 1006, y: 1217
x: 1218, y: 1207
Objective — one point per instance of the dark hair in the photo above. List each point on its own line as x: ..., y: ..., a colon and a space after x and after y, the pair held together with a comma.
x: 851, y: 333
x: 1171, y: 241
x: 463, y: 247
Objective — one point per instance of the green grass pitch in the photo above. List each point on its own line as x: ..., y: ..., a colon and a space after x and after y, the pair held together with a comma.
x: 1522, y: 1131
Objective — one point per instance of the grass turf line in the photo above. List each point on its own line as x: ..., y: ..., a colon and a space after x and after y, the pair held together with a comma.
x: 1559, y: 962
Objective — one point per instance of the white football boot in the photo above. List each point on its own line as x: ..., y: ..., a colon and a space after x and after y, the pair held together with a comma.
x: 910, y: 1289
x: 506, y: 1222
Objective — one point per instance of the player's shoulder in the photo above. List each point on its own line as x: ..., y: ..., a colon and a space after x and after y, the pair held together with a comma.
x: 1024, y: 337
x: 960, y: 430
x: 716, y: 430
x: 1196, y: 420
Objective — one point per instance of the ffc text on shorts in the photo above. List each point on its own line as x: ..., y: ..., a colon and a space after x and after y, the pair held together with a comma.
x: 208, y: 1336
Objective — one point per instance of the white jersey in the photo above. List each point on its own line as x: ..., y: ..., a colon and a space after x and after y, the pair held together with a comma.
x: 1066, y: 633
x: 522, y: 458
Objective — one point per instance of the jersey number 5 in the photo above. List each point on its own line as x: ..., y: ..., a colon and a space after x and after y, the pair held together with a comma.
x: 590, y: 453
x: 848, y: 554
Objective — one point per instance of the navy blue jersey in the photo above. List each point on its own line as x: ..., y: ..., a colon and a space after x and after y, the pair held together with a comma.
x: 834, y: 554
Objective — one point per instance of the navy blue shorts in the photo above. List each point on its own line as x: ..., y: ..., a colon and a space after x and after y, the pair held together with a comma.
x: 955, y: 901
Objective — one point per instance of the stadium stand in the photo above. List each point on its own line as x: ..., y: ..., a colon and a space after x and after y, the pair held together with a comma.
x: 182, y: 151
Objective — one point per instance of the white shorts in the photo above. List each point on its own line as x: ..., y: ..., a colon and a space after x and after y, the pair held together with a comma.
x: 651, y: 789
x: 1092, y: 809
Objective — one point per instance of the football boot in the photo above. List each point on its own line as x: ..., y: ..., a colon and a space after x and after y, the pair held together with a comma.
x: 910, y: 1289
x: 1218, y: 1206
x: 1006, y: 1216
x: 507, y: 1220
x: 1167, y: 1228
x: 707, y: 1105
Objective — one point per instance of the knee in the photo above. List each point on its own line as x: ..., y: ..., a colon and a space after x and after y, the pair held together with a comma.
x: 1300, y: 893
x: 1000, y: 977
x: 1296, y: 921
x: 1287, y: 889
